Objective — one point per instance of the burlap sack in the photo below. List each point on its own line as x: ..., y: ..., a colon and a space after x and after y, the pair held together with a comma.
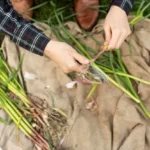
x: 117, y: 123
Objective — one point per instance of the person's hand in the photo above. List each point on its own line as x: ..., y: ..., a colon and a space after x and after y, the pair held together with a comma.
x: 116, y: 28
x: 65, y: 56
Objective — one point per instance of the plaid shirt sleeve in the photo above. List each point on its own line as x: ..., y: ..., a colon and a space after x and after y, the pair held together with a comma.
x: 126, y: 5
x: 22, y: 32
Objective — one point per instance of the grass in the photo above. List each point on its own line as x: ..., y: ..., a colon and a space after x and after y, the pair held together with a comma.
x: 25, y: 112
x: 42, y: 13
x: 142, y: 12
x: 55, y: 13
x: 20, y: 110
x: 113, y: 63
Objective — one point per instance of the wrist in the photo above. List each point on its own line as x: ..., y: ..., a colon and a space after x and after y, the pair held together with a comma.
x: 117, y: 9
x: 50, y: 48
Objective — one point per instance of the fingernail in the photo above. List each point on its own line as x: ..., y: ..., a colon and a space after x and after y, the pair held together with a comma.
x: 86, y: 61
x: 106, y: 42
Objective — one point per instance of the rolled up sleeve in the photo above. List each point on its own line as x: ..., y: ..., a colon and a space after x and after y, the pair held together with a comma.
x: 126, y: 5
x: 22, y: 32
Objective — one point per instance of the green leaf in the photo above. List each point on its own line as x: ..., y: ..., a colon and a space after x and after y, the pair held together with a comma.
x: 14, y: 74
x: 48, y: 138
x: 5, y: 122
x: 112, y: 67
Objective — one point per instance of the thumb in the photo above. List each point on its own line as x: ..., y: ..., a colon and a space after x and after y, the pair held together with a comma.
x: 81, y: 59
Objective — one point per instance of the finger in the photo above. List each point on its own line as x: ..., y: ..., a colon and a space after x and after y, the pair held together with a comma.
x: 81, y: 59
x: 74, y: 66
x: 79, y: 68
x: 107, y: 34
x: 104, y: 47
x: 114, y: 40
x: 123, y: 36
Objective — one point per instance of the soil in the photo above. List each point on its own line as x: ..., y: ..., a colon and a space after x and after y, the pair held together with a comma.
x: 55, y: 121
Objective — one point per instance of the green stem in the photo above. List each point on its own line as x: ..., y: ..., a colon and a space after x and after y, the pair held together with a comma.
x: 144, y: 109
x: 23, y: 124
x: 135, y: 20
x: 133, y: 96
x: 15, y: 112
x: 125, y: 75
x: 11, y: 86
x: 73, y: 39
x: 122, y: 88
x: 92, y: 90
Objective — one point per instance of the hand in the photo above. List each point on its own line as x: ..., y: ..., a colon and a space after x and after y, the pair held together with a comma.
x: 116, y: 28
x: 66, y: 57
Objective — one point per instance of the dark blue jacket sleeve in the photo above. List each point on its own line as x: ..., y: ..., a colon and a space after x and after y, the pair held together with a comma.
x: 126, y: 5
x: 22, y: 32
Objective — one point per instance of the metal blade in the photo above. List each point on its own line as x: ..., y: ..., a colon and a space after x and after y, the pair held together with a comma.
x: 98, y: 73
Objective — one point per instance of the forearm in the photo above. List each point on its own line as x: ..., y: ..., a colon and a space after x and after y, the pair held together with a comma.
x: 22, y: 32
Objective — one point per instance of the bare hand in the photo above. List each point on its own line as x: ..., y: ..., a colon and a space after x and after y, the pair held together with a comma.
x: 116, y: 28
x: 66, y: 57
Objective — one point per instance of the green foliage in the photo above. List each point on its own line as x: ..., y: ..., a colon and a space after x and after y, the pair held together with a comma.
x: 138, y: 4
x: 113, y: 63
x: 58, y: 12
x: 16, y: 109
x: 44, y: 13
x: 5, y: 122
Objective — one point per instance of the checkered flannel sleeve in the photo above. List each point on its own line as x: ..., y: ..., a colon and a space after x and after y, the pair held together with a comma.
x: 22, y: 32
x: 126, y: 5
